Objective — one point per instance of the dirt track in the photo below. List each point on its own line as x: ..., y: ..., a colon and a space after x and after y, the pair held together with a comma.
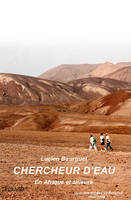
x: 26, y: 149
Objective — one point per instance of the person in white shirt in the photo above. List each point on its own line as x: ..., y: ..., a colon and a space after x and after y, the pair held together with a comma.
x: 102, y: 141
x: 108, y: 142
x: 92, y: 143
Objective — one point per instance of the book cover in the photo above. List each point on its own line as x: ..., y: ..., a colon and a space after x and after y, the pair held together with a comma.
x: 65, y: 100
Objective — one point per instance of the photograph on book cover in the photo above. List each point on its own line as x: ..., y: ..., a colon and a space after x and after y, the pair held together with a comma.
x: 65, y: 99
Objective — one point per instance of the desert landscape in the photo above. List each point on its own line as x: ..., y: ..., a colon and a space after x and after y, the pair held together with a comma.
x: 52, y: 116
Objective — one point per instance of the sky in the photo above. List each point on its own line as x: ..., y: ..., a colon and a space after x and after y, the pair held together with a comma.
x: 36, y: 35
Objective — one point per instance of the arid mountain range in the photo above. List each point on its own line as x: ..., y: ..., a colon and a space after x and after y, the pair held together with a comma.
x: 79, y: 105
x: 25, y: 90
x: 66, y: 73
x: 93, y: 87
x: 103, y: 69
x: 123, y: 64
x: 123, y: 74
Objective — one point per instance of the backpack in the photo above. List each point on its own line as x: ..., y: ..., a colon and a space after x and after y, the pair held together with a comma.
x: 94, y: 140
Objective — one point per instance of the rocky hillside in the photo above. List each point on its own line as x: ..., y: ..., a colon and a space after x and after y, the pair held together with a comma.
x: 123, y: 64
x: 50, y: 118
x: 66, y: 73
x: 26, y: 90
x: 118, y: 104
x: 123, y: 74
x: 104, y: 69
x: 93, y: 87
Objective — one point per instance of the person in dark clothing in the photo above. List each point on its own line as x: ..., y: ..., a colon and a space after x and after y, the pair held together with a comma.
x: 102, y: 141
x: 108, y: 142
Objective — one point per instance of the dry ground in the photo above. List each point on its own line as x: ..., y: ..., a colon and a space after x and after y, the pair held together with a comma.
x: 25, y: 148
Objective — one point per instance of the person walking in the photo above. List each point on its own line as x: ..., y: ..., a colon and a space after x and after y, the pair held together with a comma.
x: 102, y: 141
x: 108, y: 142
x: 92, y: 143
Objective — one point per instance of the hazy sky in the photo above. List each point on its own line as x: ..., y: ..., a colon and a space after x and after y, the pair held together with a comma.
x: 36, y: 35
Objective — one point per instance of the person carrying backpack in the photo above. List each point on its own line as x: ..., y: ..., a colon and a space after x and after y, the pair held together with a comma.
x: 108, y: 142
x: 92, y: 143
